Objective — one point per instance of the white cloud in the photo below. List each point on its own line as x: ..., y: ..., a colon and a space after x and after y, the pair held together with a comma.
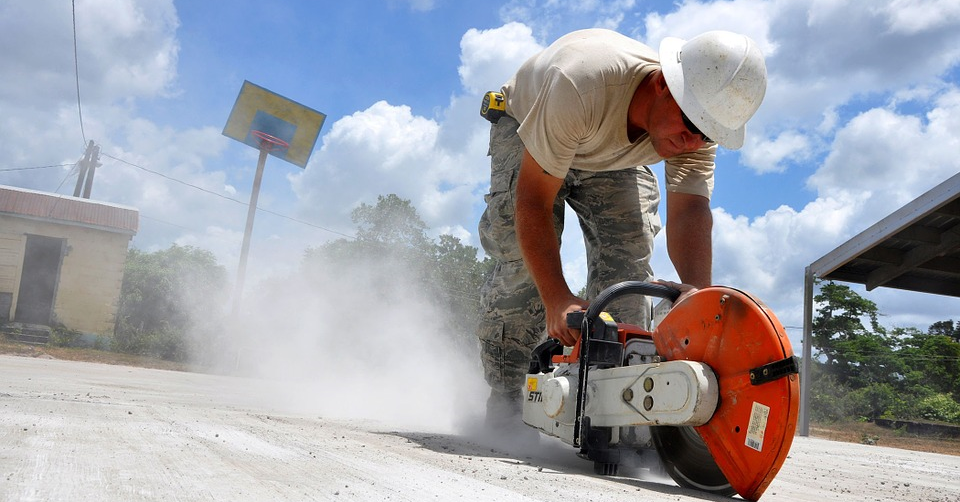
x: 691, y: 18
x: 438, y: 164
x: 767, y: 254
x: 178, y: 154
x: 386, y: 149
x: 829, y: 122
x: 892, y: 155
x: 768, y: 155
x: 914, y: 16
x: 488, y: 58
x: 551, y: 18
x: 823, y: 54
x: 139, y: 37
x: 879, y: 161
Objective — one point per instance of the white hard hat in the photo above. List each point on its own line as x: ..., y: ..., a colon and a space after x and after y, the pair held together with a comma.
x: 718, y: 79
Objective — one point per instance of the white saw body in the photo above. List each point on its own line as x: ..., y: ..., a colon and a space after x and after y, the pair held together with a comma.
x: 665, y: 393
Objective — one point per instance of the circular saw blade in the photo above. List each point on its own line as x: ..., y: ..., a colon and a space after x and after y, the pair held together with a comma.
x: 687, y: 460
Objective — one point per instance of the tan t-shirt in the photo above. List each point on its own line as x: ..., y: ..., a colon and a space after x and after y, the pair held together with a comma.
x: 572, y: 98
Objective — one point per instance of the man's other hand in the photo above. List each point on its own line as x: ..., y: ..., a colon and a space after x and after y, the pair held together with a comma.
x: 557, y: 320
x: 685, y: 289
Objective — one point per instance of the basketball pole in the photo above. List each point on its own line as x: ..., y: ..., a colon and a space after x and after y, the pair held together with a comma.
x: 245, y: 248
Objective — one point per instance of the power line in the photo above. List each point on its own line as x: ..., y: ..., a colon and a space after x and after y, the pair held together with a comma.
x: 231, y: 199
x: 76, y: 69
x: 900, y: 353
x: 211, y: 192
x: 167, y: 223
x: 8, y: 169
x: 64, y: 180
x: 456, y: 293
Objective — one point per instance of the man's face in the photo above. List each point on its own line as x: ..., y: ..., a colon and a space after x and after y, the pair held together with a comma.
x: 669, y: 131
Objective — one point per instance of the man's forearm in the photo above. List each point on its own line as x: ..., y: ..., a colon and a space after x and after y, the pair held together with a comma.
x: 536, y: 235
x: 540, y: 247
x: 689, y: 239
x: 541, y: 253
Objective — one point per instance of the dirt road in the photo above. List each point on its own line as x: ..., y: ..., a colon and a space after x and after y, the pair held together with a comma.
x: 84, y: 431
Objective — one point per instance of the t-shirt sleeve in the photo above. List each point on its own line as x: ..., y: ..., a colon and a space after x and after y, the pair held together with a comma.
x: 692, y: 173
x: 555, y: 125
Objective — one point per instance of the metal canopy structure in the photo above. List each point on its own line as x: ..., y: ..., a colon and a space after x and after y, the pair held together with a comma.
x: 916, y: 248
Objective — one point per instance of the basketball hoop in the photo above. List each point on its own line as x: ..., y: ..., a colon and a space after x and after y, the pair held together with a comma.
x: 269, y: 143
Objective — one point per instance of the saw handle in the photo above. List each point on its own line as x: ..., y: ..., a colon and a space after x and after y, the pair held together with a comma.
x: 627, y: 288
x: 575, y: 319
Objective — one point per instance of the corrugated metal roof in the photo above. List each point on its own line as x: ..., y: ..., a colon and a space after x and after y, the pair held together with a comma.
x: 68, y: 210
x: 915, y: 248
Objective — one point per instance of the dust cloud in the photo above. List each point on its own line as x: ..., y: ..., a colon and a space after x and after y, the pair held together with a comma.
x: 366, y: 341
x: 369, y: 341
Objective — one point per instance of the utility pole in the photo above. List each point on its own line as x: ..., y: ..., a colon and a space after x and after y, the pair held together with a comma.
x: 88, y: 166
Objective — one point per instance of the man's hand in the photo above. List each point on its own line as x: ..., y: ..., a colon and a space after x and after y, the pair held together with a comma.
x: 685, y: 289
x: 557, y: 320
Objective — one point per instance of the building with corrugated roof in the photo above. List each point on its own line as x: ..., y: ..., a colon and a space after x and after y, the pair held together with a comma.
x: 62, y: 259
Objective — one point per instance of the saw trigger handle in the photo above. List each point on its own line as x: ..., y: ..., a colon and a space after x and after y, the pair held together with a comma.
x: 542, y: 355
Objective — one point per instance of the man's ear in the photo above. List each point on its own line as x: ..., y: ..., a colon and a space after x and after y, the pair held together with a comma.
x: 661, y: 83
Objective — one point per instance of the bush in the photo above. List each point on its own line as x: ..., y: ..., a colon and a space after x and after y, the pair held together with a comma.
x: 828, y: 401
x: 170, y: 303
x: 876, y: 400
x: 61, y: 336
x: 166, y: 344
x: 939, y: 408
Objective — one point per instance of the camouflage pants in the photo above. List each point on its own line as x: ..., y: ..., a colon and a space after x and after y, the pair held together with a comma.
x: 618, y: 215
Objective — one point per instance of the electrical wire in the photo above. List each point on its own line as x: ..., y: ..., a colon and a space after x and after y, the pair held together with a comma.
x: 231, y: 199
x: 64, y: 180
x: 462, y: 295
x: 166, y: 222
x: 9, y: 169
x: 210, y: 192
x: 76, y: 70
x: 897, y: 353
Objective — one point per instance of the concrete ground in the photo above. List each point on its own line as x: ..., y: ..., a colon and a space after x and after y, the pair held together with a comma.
x: 85, y: 431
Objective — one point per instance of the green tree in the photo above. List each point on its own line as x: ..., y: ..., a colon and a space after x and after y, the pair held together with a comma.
x: 932, y: 359
x: 947, y: 329
x: 865, y: 371
x: 456, y: 276
x: 853, y: 353
x: 389, y: 232
x: 392, y: 221
x: 392, y: 243
x: 171, y: 302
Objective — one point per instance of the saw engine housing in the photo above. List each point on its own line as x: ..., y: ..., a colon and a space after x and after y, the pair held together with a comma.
x: 713, y: 388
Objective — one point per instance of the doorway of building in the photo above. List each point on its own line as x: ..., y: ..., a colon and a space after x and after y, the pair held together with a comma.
x: 38, y: 281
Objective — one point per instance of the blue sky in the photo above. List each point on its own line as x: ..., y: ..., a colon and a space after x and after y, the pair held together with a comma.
x: 860, y: 117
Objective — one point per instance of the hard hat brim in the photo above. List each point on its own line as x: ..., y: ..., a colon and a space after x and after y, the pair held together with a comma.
x: 670, y: 58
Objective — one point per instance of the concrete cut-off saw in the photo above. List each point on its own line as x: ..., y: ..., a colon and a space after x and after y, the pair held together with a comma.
x: 712, y: 388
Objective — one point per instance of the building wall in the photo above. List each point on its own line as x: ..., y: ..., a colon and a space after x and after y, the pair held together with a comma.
x: 88, y: 289
x: 11, y: 260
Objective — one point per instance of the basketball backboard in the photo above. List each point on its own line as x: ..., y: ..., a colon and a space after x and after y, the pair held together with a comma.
x: 258, y: 109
